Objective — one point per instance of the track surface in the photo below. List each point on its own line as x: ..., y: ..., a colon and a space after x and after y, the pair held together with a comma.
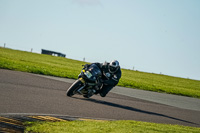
x: 28, y: 93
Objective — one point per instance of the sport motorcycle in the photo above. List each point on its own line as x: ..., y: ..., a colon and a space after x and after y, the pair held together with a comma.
x: 88, y: 82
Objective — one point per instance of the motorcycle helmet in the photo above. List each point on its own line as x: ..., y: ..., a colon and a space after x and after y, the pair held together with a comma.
x: 113, y: 66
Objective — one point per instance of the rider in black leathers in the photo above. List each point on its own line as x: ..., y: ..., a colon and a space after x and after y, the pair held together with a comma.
x: 111, y: 75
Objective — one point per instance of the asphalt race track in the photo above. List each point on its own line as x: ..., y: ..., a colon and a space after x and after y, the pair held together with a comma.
x: 24, y: 93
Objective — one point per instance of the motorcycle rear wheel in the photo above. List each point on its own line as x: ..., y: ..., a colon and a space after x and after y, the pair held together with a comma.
x: 73, y: 88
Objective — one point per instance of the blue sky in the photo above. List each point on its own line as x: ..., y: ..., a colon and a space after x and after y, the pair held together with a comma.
x: 156, y: 36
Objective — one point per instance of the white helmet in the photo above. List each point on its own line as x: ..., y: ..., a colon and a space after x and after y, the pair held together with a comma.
x: 113, y: 66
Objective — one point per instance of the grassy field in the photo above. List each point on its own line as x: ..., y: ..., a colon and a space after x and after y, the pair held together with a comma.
x: 107, y: 127
x: 63, y: 67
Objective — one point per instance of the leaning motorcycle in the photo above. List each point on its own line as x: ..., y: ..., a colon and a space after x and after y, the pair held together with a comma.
x: 88, y: 82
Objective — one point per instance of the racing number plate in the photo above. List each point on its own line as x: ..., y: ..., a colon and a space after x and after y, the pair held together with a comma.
x: 88, y: 74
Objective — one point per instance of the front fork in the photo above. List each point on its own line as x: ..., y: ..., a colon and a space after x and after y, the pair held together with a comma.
x: 79, y: 91
x: 90, y: 90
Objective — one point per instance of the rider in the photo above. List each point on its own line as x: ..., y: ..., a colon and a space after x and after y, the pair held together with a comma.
x: 111, y: 75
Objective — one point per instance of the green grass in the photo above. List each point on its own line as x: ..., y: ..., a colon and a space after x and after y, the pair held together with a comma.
x: 122, y: 126
x: 63, y: 67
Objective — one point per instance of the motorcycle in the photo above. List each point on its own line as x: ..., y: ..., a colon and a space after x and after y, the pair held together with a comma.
x: 88, y: 82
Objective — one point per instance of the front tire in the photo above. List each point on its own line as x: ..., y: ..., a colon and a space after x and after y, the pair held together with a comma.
x: 73, y: 88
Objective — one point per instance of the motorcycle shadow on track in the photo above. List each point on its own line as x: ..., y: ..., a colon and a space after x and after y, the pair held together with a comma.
x: 132, y: 109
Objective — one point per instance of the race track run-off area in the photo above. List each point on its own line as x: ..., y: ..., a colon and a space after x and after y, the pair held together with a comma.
x: 25, y: 93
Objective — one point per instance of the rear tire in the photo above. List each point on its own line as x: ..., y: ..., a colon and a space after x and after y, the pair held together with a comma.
x: 73, y: 88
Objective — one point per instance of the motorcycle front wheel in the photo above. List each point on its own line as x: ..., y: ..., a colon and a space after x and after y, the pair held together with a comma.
x: 73, y: 88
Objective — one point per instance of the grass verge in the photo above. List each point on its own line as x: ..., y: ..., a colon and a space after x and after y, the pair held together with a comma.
x: 63, y: 67
x: 122, y: 126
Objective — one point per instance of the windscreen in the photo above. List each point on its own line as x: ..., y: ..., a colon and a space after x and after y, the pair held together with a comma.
x: 94, y: 69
